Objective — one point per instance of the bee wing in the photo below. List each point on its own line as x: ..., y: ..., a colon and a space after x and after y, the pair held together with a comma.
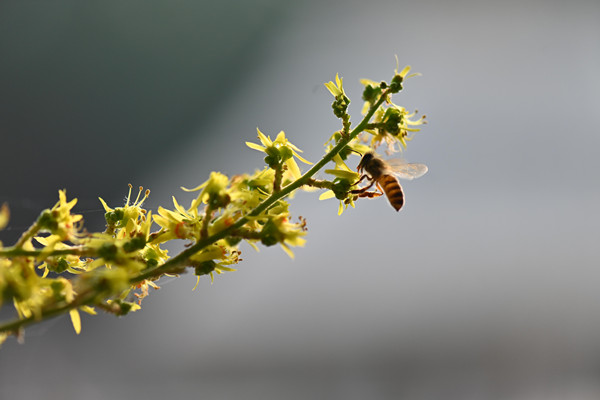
x: 405, y: 170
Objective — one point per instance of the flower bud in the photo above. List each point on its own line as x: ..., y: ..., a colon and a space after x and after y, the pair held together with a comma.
x: 136, y: 243
x: 47, y: 221
x: 270, y: 235
x: 396, y: 84
x: 205, y: 268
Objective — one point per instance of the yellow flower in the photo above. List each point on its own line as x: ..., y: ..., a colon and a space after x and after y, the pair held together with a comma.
x: 405, y: 71
x: 62, y: 225
x: 129, y: 219
x: 336, y: 89
x: 214, y: 192
x: 177, y: 224
x: 280, y: 151
x: 345, y: 178
x: 395, y: 124
x: 70, y: 262
x: 248, y: 191
x: 215, y: 258
x: 279, y: 229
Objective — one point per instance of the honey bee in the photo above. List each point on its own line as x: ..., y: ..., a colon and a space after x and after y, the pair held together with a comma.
x: 385, y: 175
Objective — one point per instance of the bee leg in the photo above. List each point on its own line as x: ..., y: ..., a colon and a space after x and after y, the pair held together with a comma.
x: 364, y: 189
x: 363, y: 176
x: 369, y: 195
x: 364, y: 192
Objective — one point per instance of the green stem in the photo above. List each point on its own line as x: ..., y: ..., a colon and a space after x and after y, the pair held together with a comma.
x: 205, y: 221
x: 278, y: 177
x: 15, y: 251
x: 15, y: 325
x: 28, y: 234
x: 320, y: 184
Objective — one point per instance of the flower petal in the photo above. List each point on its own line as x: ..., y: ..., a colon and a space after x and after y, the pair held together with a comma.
x: 293, y: 168
x: 106, y: 207
x: 89, y: 310
x: 333, y: 89
x: 327, y: 195
x: 194, y: 189
x: 178, y: 207
x: 287, y: 250
x: 404, y: 71
x: 76, y: 320
x: 266, y: 141
x: 255, y: 146
x: 301, y: 158
x: 281, y: 138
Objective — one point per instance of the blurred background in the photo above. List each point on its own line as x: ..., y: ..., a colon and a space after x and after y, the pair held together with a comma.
x: 485, y: 286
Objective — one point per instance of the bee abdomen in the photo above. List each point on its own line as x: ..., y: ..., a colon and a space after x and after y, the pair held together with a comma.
x: 393, y: 191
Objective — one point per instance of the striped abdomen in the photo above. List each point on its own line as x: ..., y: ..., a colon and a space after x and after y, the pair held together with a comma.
x: 393, y: 190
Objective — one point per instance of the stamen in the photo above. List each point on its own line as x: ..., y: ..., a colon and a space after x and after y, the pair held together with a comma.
x: 129, y: 194
x: 146, y: 194
x: 138, y: 196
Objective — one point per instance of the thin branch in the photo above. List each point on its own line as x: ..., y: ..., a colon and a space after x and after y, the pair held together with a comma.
x: 182, y: 259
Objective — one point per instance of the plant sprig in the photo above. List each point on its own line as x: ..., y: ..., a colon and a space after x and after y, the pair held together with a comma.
x: 113, y: 270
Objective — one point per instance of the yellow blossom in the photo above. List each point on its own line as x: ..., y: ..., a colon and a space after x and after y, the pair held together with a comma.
x: 336, y: 89
x: 345, y: 179
x: 177, y: 224
x: 280, y: 150
x: 214, y: 190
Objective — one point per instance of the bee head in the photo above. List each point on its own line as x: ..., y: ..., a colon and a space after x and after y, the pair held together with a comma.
x: 366, y: 158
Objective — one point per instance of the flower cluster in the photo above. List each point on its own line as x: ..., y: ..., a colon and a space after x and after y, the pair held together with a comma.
x: 387, y: 123
x: 392, y: 123
x: 57, y: 267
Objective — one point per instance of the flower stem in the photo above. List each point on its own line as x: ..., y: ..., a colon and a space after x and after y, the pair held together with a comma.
x: 278, y: 177
x: 320, y: 184
x: 15, y: 251
x: 28, y: 234
x: 15, y: 325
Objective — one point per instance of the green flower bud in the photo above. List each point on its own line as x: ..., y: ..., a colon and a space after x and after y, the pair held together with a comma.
x: 113, y: 217
x: 205, y: 268
x: 371, y: 94
x: 340, y: 188
x: 396, y: 84
x: 136, y: 243
x: 47, y: 221
x: 273, y: 158
x: 57, y: 290
x: 270, y: 235
x: 108, y: 251
x: 219, y: 200
x: 286, y: 153
x: 340, y: 105
x: 59, y: 266
x: 124, y: 307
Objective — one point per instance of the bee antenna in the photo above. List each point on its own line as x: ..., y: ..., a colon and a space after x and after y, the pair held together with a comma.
x: 357, y: 152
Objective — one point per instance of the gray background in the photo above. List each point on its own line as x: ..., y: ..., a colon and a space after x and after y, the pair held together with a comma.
x: 483, y: 287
